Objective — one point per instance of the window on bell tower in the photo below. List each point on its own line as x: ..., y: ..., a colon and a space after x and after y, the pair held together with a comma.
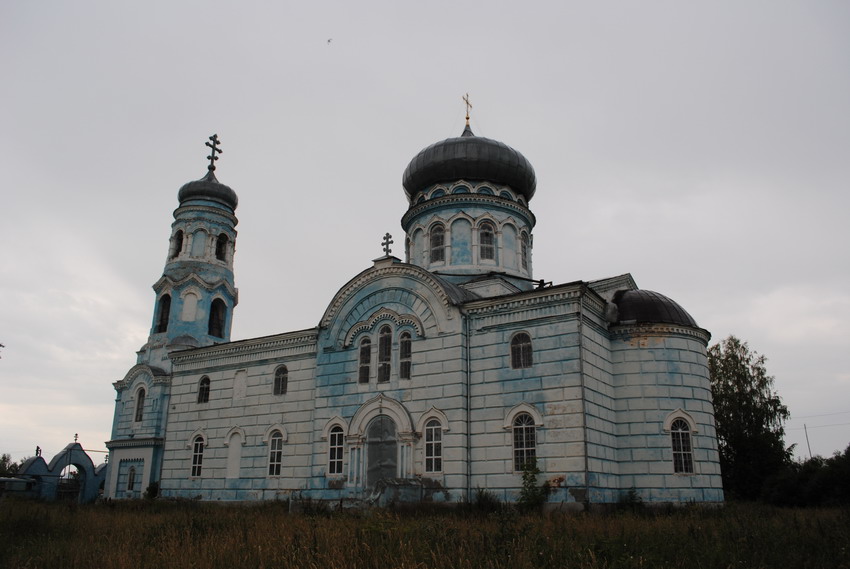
x: 523, y: 243
x: 163, y: 314
x: 217, y: 317
x: 177, y: 244
x: 221, y: 247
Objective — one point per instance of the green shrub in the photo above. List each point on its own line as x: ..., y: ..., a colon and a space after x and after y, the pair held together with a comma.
x: 532, y: 495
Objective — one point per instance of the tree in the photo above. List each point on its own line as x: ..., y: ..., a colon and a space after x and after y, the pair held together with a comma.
x: 749, y: 416
x: 8, y: 467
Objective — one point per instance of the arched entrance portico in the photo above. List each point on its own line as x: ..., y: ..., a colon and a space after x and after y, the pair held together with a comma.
x: 381, y: 441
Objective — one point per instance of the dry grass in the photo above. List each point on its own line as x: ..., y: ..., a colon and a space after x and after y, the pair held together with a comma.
x: 156, y: 535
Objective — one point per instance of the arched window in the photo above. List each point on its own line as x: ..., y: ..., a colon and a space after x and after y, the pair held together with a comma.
x: 683, y: 456
x: 405, y: 352
x: 217, y: 316
x: 281, y: 379
x: 365, y: 359
x: 438, y: 242
x: 140, y: 405
x: 176, y: 244
x: 433, y: 446
x: 385, y: 344
x: 197, y: 455
x: 335, y: 448
x: 221, y: 247
x: 131, y: 479
x: 163, y: 314
x: 521, y: 351
x: 523, y: 244
x: 487, y: 241
x: 525, y: 440
x: 275, y: 453
x: 204, y: 390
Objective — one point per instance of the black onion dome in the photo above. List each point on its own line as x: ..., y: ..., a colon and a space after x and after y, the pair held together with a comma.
x: 469, y: 157
x: 209, y: 188
x: 648, y: 307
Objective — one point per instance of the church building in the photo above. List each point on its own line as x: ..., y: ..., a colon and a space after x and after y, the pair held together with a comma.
x: 425, y: 379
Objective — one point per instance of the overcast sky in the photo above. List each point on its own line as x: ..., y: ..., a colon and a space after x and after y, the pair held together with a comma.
x: 702, y: 147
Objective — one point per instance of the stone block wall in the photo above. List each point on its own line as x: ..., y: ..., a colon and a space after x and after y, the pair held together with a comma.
x: 661, y: 373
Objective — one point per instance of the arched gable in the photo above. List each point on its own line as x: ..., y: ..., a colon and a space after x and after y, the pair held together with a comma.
x: 235, y: 430
x: 680, y: 414
x: 335, y: 421
x: 523, y: 408
x: 432, y: 413
x: 380, y: 405
x: 273, y: 428
x: 399, y: 287
x: 144, y: 373
x: 381, y: 315
x: 197, y: 433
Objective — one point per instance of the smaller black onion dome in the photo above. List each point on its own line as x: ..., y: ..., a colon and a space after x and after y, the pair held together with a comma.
x: 209, y: 188
x: 648, y: 307
x: 469, y: 157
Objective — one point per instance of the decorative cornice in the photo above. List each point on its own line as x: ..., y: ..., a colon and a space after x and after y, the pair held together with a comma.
x: 158, y: 375
x: 204, y: 209
x: 467, y: 199
x: 376, y: 273
x: 167, y: 282
x: 626, y: 331
x: 560, y: 293
x: 142, y: 442
x: 299, y: 343
x: 385, y: 314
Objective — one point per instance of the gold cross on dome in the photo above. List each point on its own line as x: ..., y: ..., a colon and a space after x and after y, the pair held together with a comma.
x: 468, y: 106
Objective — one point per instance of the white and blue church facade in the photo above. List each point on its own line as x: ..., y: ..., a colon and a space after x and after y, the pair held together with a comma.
x: 425, y: 379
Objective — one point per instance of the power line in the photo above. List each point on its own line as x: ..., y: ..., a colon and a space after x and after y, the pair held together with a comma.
x: 793, y: 418
x: 818, y: 426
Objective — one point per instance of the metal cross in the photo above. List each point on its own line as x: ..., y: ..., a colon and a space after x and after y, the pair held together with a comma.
x: 212, y: 157
x: 468, y: 106
x: 386, y: 243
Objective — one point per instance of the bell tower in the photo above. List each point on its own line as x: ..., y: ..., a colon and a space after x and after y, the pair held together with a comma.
x: 195, y: 296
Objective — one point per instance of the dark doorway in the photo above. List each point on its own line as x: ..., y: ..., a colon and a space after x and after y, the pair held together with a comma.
x: 381, y: 450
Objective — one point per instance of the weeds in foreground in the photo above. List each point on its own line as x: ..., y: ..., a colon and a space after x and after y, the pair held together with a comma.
x: 160, y: 534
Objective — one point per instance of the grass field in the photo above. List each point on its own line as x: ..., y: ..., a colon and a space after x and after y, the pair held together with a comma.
x: 162, y: 534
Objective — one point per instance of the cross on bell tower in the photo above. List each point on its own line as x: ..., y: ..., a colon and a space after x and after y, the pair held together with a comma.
x: 214, y: 148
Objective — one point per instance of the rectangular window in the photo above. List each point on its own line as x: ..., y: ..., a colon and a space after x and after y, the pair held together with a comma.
x: 365, y: 357
x: 683, y: 458
x: 525, y: 441
x: 335, y: 448
x: 404, y: 356
x: 197, y: 456
x: 385, y: 342
x: 433, y: 447
x: 438, y: 251
x: 275, y: 454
